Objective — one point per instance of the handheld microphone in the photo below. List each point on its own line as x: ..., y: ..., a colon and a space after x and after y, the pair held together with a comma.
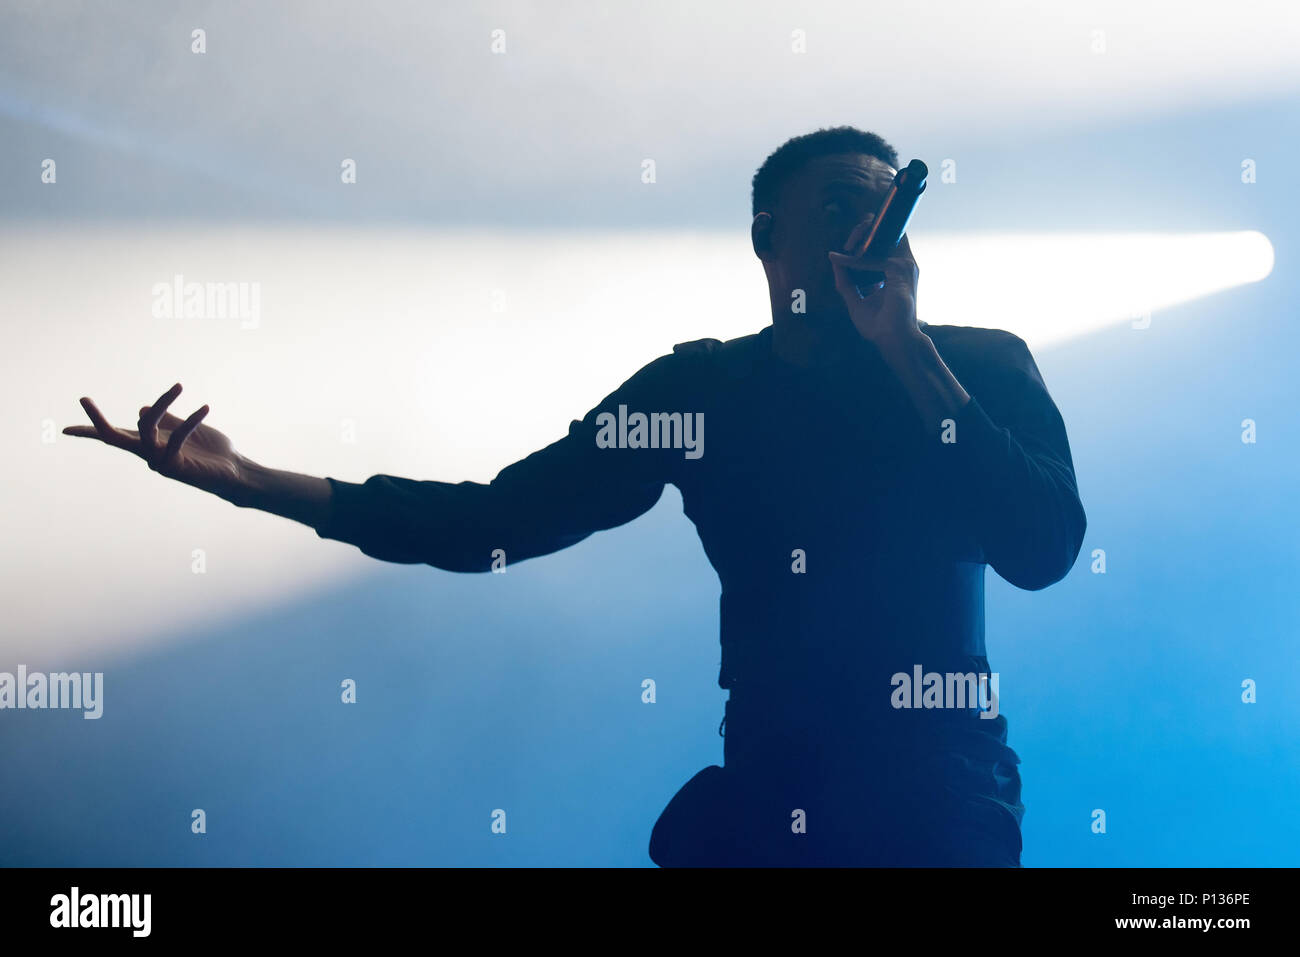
x: 894, y: 213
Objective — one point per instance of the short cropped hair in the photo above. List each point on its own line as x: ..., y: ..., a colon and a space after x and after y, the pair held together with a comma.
x: 791, y: 156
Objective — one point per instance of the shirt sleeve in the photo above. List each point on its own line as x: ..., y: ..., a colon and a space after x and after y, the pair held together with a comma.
x: 1012, y: 459
x: 550, y: 500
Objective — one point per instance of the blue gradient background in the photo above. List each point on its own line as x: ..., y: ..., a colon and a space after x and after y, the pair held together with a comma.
x: 522, y: 691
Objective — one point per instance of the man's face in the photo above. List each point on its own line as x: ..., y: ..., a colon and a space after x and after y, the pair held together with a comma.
x: 814, y: 214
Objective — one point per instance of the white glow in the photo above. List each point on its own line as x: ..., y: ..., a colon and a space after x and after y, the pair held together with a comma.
x: 396, y: 331
x: 1051, y: 287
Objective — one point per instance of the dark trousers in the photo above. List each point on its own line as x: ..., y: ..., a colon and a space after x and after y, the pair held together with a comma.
x: 787, y: 818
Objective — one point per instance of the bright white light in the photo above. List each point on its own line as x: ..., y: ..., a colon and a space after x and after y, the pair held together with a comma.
x: 1054, y: 286
x: 451, y: 355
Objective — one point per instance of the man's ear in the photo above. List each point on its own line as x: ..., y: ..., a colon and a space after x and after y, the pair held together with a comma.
x: 760, y: 233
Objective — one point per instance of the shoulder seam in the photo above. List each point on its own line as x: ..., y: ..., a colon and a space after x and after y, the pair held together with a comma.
x: 697, y: 345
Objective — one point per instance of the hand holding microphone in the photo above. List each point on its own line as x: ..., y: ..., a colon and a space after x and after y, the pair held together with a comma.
x: 876, y: 275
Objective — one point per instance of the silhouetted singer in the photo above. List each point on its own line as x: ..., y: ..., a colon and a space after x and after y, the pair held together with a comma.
x: 850, y: 470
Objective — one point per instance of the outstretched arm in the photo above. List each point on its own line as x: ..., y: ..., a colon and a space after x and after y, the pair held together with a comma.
x: 198, y: 455
x: 552, y: 499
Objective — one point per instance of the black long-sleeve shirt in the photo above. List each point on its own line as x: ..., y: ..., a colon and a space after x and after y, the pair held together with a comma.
x: 826, y: 470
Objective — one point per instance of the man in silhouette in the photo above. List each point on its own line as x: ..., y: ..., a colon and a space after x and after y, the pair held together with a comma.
x: 850, y: 470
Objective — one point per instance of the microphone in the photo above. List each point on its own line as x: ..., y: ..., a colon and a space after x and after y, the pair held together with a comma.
x: 894, y: 213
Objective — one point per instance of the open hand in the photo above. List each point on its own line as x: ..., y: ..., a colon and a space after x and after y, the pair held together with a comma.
x: 184, y: 450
